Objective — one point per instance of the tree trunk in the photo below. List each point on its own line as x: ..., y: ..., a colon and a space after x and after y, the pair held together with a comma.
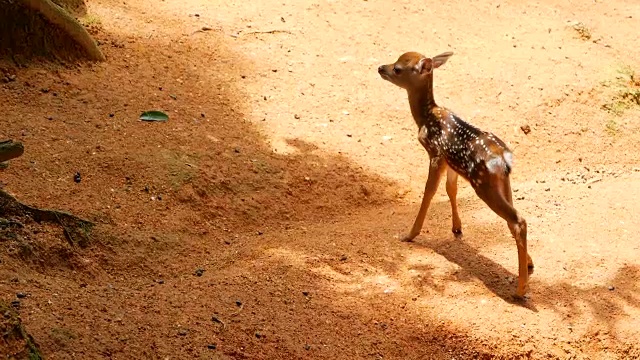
x: 59, y: 17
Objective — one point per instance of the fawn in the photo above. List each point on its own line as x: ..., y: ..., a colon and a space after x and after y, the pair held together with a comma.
x: 462, y: 149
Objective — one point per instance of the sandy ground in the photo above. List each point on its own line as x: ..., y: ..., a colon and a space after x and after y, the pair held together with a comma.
x: 262, y: 220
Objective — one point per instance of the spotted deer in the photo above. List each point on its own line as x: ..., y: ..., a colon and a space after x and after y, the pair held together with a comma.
x: 458, y: 148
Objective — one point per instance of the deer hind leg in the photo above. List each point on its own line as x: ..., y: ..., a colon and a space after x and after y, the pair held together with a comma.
x: 452, y: 191
x: 492, y: 190
x: 436, y: 168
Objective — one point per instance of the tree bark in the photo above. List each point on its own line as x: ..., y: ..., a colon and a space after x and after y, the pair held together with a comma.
x: 58, y: 16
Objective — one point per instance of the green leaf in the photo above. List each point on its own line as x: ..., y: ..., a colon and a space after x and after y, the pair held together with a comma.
x: 154, y: 115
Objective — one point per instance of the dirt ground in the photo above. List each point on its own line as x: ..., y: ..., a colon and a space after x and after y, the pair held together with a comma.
x: 262, y: 220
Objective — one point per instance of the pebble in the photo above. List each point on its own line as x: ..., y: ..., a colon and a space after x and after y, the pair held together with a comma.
x: 199, y: 272
x: 212, y: 346
x: 21, y: 295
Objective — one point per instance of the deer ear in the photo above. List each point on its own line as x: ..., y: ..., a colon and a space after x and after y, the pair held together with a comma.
x: 424, y: 65
x: 439, y: 60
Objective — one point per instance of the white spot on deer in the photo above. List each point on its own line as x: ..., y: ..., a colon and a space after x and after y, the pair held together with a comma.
x: 496, y: 165
x: 508, y: 158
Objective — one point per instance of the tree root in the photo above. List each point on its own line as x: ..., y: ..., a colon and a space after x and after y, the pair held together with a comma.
x: 21, y: 344
x: 10, y: 150
x: 76, y: 230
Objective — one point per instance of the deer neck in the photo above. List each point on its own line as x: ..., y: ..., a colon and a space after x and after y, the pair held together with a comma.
x: 422, y: 102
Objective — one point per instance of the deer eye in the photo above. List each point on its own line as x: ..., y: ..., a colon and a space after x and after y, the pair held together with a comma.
x: 396, y: 70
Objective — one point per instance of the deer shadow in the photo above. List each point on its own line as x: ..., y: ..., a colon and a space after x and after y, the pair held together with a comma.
x: 493, y: 275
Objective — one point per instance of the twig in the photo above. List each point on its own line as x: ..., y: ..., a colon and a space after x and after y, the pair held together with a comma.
x: 269, y: 32
x: 215, y: 319
x: 237, y: 312
x: 203, y: 29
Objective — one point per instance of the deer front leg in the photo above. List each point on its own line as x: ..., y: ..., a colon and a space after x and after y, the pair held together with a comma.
x: 436, y: 168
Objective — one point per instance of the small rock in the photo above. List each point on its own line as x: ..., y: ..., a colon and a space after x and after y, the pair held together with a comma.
x: 236, y: 150
x: 305, y: 293
x: 296, y: 116
x: 307, y: 347
x: 212, y: 346
x: 199, y: 272
x: 260, y: 232
x: 202, y: 115
x: 77, y: 178
x: 227, y: 242
x: 21, y: 295
x: 112, y: 114
x: 526, y: 129
x: 238, y: 303
x: 173, y: 97
x: 258, y: 335
x: 15, y: 304
x: 349, y: 135
x: 343, y: 258
x: 611, y: 287
x: 182, y: 332
x: 547, y: 189
x: 9, y: 78
x: 160, y: 281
